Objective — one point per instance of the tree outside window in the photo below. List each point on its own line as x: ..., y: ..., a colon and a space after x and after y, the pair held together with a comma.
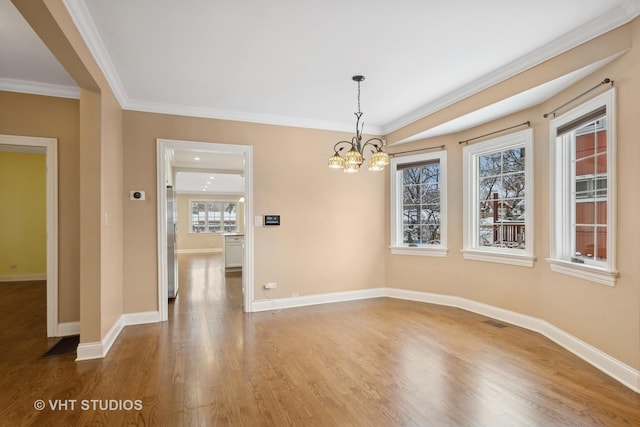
x: 498, y: 200
x: 418, y: 198
x: 421, y: 204
x: 213, y: 217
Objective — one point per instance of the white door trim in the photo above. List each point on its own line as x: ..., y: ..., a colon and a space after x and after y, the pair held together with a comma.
x: 50, y: 146
x: 164, y: 148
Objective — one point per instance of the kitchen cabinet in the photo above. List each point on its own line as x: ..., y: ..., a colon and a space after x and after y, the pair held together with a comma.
x: 233, y: 251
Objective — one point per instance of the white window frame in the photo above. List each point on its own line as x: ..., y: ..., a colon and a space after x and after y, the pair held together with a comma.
x: 471, y: 216
x: 206, y: 225
x: 397, y: 247
x: 560, y: 190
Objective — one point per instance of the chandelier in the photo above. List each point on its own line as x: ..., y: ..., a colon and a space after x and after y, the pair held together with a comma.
x: 351, y: 160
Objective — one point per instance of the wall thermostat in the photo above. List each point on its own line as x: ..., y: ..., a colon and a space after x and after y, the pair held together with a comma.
x: 136, y: 195
x: 272, y: 220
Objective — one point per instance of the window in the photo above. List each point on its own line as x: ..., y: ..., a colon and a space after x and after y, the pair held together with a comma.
x: 498, y: 200
x: 418, y: 205
x: 213, y: 216
x: 583, y: 190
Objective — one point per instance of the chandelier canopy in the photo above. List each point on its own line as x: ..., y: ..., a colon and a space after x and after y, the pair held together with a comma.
x: 353, y: 158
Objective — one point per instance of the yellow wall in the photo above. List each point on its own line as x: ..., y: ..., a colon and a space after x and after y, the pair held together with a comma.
x: 23, y: 209
x: 208, y: 241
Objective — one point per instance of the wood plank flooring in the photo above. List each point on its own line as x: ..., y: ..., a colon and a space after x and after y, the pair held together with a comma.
x: 379, y: 362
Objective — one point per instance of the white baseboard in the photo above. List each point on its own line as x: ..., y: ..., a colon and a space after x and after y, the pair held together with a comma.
x: 22, y: 277
x: 99, y: 349
x: 90, y: 350
x: 68, y: 328
x: 611, y: 366
x: 616, y: 369
x: 141, y: 318
x: 199, y: 251
x: 305, y: 300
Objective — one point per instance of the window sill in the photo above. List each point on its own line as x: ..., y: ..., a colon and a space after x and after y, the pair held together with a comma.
x: 498, y: 257
x: 207, y: 233
x: 582, y: 271
x: 419, y: 250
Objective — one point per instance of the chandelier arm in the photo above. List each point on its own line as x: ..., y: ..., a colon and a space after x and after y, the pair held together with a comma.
x: 374, y: 144
x: 337, y: 150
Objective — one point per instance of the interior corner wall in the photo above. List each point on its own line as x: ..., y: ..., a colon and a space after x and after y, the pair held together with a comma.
x: 112, y: 197
x: 90, y: 217
x: 607, y: 318
x: 49, y: 117
x: 329, y: 220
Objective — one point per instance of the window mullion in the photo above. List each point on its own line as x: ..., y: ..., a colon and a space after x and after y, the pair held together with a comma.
x: 570, y: 138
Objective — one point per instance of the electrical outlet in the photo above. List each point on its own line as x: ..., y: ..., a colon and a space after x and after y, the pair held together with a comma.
x: 271, y: 285
x: 13, y: 266
x: 295, y: 294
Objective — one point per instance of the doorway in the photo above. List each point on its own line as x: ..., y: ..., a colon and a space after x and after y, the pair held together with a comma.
x: 165, y: 150
x: 48, y: 146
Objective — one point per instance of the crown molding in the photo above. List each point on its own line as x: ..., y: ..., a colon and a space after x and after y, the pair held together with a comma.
x: 87, y: 29
x: 37, y: 88
x: 513, y: 104
x: 621, y: 15
x: 268, y: 119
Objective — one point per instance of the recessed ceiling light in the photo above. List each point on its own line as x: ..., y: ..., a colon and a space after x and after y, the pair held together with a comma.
x: 208, y: 182
x: 196, y: 158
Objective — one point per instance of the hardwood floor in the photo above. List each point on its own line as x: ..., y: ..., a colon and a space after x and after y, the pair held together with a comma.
x: 379, y: 362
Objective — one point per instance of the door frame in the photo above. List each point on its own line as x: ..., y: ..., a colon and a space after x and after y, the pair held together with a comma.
x: 164, y: 149
x: 50, y: 146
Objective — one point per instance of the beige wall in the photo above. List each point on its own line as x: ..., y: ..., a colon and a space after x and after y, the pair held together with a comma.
x: 48, y: 117
x: 330, y: 239
x: 606, y: 317
x: 185, y: 240
x: 113, y: 196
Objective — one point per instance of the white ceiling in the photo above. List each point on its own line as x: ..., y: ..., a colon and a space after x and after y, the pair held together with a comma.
x: 209, y: 160
x: 26, y: 65
x: 290, y: 62
x: 208, y: 172
x: 209, y: 183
